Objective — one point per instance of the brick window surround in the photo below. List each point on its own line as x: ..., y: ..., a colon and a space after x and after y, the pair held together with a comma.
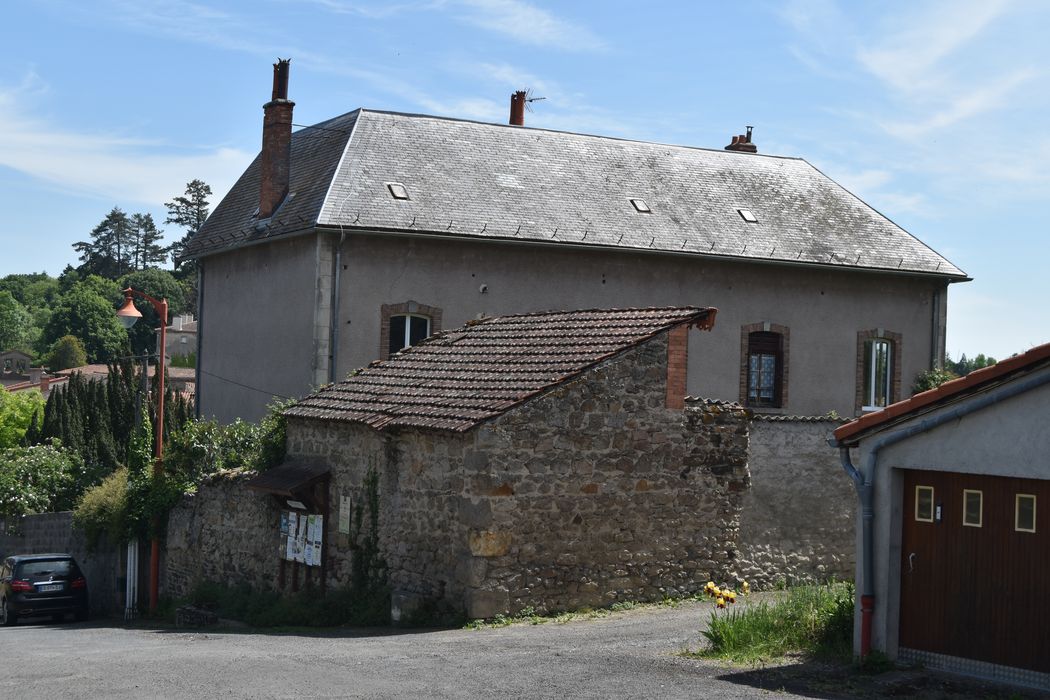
x: 386, y: 311
x: 785, y: 343
x: 895, y: 364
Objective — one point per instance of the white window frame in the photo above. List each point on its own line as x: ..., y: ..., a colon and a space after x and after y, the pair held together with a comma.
x: 980, y: 509
x: 933, y: 503
x: 1017, y: 512
x: 408, y: 328
x: 869, y: 380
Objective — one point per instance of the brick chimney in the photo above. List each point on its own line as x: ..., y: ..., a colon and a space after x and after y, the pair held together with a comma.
x: 517, y: 108
x: 275, y: 162
x: 743, y: 143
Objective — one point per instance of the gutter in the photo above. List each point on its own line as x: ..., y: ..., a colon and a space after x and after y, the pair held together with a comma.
x: 333, y: 343
x: 864, y: 482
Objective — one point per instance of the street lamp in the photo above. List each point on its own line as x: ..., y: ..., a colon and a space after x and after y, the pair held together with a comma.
x: 128, y: 315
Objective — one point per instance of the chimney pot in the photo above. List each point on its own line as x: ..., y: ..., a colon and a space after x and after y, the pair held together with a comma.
x: 275, y: 159
x: 742, y: 143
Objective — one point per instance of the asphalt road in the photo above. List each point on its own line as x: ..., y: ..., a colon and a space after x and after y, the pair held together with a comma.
x: 633, y: 654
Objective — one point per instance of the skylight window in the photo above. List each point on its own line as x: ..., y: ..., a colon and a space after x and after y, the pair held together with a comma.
x: 397, y: 190
x: 748, y: 216
x: 641, y: 206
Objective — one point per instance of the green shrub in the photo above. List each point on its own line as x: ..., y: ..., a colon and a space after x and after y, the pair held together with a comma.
x: 38, y: 479
x: 104, y: 509
x: 931, y: 379
x: 814, y: 620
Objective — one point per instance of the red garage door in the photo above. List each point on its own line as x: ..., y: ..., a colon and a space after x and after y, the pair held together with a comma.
x: 975, y: 568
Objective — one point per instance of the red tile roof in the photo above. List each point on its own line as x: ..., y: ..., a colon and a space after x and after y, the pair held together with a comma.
x: 458, y: 379
x: 972, y: 382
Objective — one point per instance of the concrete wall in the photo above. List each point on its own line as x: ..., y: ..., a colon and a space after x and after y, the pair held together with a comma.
x: 257, y: 327
x: 1010, y: 439
x: 264, y: 308
x: 823, y: 309
x: 46, y: 533
x: 797, y: 520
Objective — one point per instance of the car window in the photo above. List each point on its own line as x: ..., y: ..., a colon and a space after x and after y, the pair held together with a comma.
x: 53, y: 568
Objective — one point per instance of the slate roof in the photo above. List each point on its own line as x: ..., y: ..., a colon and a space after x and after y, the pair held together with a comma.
x: 978, y: 380
x: 494, y: 181
x: 458, y: 379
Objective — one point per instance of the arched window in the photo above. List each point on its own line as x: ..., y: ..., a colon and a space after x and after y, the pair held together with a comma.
x: 404, y: 325
x: 878, y: 369
x: 763, y: 371
x: 406, y: 330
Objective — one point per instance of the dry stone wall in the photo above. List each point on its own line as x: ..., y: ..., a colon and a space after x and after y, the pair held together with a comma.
x: 797, y: 522
x: 223, y: 533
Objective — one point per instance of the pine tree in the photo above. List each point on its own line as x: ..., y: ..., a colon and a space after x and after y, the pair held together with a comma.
x: 147, y: 251
x: 190, y: 212
x: 110, y: 251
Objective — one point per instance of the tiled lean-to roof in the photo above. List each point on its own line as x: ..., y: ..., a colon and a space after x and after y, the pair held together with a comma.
x: 500, y: 182
x: 460, y: 378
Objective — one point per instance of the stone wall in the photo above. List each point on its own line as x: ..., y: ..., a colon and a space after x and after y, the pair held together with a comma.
x: 797, y: 522
x: 223, y: 533
x: 45, y: 533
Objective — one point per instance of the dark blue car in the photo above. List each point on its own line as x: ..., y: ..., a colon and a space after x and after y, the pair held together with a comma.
x: 35, y: 585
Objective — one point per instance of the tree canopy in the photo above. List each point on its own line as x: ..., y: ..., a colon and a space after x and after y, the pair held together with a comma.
x: 16, y: 324
x: 91, y: 317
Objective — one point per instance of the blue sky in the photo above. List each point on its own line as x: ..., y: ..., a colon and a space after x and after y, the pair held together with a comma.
x: 933, y: 112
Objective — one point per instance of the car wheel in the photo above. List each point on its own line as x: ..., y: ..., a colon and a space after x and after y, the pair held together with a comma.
x: 7, y: 618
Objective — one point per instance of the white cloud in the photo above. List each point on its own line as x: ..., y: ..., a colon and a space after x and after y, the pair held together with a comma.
x: 113, y: 166
x: 529, y: 24
x: 908, y: 59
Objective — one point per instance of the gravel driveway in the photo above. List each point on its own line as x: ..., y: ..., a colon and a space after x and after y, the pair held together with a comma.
x: 632, y: 654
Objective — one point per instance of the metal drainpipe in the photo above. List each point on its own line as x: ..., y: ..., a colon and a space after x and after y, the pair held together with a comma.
x: 865, y: 484
x: 334, y: 322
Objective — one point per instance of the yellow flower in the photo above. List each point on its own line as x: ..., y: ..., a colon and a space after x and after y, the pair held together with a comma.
x: 721, y: 602
x: 746, y: 587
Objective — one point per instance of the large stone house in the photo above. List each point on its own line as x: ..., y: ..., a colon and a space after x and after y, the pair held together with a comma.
x: 365, y: 233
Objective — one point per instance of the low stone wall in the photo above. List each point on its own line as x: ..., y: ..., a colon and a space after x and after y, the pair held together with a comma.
x: 223, y: 533
x: 797, y: 520
x: 45, y: 533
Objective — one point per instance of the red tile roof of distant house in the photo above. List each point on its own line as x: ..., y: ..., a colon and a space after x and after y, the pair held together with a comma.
x: 457, y: 379
x: 949, y: 391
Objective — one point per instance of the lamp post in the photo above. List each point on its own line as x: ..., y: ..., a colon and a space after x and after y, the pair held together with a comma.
x: 128, y: 315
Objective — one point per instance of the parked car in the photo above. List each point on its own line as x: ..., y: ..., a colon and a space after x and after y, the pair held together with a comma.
x: 35, y: 585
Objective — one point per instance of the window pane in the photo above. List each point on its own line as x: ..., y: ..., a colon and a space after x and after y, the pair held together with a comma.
x: 752, y: 377
x: 397, y: 334
x: 1025, y: 514
x: 878, y: 372
x: 420, y: 329
x: 972, y: 508
x: 924, y: 503
x: 769, y: 364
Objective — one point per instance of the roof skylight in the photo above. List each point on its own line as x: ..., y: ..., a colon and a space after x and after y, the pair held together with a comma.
x: 397, y: 190
x: 748, y: 216
x: 641, y: 206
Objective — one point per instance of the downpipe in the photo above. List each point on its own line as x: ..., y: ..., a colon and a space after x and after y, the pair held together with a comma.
x: 864, y: 483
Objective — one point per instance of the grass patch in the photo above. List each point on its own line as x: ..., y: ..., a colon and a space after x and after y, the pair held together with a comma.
x: 304, y: 609
x: 809, y: 620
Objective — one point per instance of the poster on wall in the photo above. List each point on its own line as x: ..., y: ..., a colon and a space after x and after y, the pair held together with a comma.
x: 300, y: 541
x: 284, y: 522
x: 289, y: 548
x: 344, y: 515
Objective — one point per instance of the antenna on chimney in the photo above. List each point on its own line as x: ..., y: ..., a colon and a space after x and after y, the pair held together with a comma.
x: 520, y: 101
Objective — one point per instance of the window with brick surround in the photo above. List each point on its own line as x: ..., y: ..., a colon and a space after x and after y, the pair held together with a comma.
x: 878, y: 369
x: 764, y: 365
x: 404, y: 325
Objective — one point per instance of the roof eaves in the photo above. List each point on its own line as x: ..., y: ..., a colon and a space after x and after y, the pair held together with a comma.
x: 974, y: 382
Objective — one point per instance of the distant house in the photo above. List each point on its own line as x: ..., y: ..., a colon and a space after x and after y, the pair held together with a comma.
x: 546, y: 460
x: 956, y: 573
x: 181, y: 336
x: 14, y: 367
x: 363, y: 234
